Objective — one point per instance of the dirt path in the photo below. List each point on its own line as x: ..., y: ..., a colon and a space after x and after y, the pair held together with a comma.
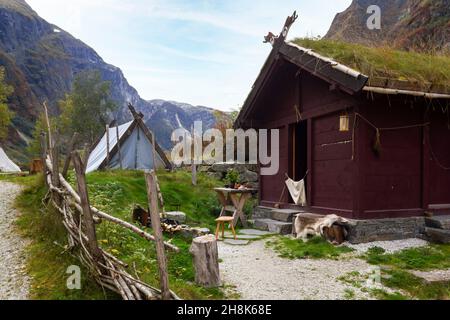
x: 14, y: 283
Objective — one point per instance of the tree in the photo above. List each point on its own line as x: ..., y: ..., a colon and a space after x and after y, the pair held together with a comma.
x: 5, y: 115
x: 86, y: 108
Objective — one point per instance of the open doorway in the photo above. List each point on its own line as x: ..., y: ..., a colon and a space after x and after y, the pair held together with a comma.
x: 298, y: 152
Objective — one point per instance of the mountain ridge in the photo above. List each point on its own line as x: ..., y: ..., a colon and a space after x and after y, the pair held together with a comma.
x: 418, y: 25
x: 41, y: 61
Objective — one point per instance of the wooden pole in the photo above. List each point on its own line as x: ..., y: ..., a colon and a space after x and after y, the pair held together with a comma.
x: 118, y: 145
x: 107, y: 147
x: 194, y: 165
x: 49, y: 131
x: 88, y: 220
x: 69, y: 156
x: 150, y: 178
x: 44, y: 154
x: 55, y: 166
x: 154, y: 150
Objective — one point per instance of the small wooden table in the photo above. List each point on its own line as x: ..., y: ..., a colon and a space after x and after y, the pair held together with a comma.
x: 234, y: 200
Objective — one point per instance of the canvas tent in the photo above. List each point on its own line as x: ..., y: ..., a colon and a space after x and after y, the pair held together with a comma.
x: 6, y: 164
x: 136, y: 148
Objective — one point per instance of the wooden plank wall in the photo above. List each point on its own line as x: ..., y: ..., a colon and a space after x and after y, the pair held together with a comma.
x: 332, y: 165
x: 392, y: 180
x: 438, y: 187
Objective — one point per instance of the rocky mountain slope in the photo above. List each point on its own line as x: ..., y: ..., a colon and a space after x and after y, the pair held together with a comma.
x: 422, y: 25
x: 41, y: 61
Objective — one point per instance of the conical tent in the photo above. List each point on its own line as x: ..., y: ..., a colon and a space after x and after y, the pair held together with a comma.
x: 136, y: 149
x: 6, y: 164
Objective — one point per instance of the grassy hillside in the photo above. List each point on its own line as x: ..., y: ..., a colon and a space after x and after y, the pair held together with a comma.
x: 116, y: 193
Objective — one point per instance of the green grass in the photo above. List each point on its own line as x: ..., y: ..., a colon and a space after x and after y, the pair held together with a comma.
x: 316, y: 248
x: 116, y: 193
x: 425, y: 258
x: 385, y: 62
x: 47, y: 259
x: 416, y: 287
x: 397, y: 277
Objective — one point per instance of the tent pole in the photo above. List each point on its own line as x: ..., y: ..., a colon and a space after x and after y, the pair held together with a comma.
x: 118, y: 146
x: 107, y: 147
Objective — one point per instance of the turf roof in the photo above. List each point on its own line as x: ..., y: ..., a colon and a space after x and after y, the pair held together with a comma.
x: 387, y: 67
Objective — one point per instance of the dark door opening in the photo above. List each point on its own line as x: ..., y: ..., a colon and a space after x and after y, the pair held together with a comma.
x: 298, y: 152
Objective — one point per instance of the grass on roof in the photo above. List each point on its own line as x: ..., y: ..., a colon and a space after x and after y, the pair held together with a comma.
x: 383, y: 62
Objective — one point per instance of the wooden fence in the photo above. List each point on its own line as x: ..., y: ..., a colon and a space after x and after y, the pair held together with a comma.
x: 80, y: 219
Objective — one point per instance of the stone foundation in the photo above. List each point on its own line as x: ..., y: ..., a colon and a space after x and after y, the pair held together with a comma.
x: 363, y: 231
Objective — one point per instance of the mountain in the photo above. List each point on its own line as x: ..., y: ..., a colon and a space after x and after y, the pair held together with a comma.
x: 170, y: 115
x: 421, y: 25
x: 41, y: 61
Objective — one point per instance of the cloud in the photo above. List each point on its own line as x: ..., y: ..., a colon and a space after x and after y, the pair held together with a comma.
x: 204, y: 52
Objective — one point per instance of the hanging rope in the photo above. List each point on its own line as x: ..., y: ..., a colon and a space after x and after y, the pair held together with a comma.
x: 298, y: 114
x: 377, y: 146
x: 433, y: 155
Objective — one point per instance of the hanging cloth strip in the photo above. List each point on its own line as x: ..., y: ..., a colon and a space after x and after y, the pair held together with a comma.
x: 297, y: 190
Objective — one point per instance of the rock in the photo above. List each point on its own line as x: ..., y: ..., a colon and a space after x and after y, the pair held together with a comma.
x: 438, y: 235
x: 248, y: 176
x: 433, y: 276
x: 274, y: 226
x: 237, y: 242
x: 241, y: 237
x: 255, y: 232
x: 177, y: 216
x: 224, y: 167
x: 203, y: 169
x: 439, y: 222
x: 216, y: 175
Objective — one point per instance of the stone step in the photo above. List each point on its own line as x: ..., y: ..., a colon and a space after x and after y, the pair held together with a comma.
x: 284, y: 215
x: 261, y: 212
x: 274, y: 226
x: 438, y: 222
x: 438, y: 235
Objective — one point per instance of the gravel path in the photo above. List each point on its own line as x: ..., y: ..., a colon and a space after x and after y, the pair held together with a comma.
x: 14, y: 283
x: 258, y: 273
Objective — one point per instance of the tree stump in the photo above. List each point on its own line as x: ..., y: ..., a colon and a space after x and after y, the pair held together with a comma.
x: 206, y: 261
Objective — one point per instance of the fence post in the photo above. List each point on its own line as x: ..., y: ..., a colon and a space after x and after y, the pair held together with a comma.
x: 88, y: 220
x: 44, y: 155
x: 55, y: 164
x: 68, y: 157
x: 150, y: 179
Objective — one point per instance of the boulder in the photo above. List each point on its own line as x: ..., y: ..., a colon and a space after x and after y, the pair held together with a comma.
x: 216, y: 175
x: 248, y: 176
x: 177, y: 216
x: 224, y: 167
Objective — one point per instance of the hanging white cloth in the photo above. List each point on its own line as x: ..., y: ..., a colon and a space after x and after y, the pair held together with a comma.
x: 297, y: 191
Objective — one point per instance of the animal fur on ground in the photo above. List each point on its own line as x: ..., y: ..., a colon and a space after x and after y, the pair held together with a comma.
x: 306, y: 227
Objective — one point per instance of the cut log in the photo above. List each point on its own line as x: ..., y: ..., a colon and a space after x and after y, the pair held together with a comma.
x: 206, y: 261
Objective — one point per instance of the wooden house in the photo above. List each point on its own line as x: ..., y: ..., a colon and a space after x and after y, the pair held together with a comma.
x: 370, y: 147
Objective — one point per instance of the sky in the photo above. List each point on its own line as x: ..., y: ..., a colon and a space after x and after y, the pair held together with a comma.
x: 202, y: 52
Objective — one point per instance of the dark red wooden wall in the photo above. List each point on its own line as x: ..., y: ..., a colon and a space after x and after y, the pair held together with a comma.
x: 404, y: 179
